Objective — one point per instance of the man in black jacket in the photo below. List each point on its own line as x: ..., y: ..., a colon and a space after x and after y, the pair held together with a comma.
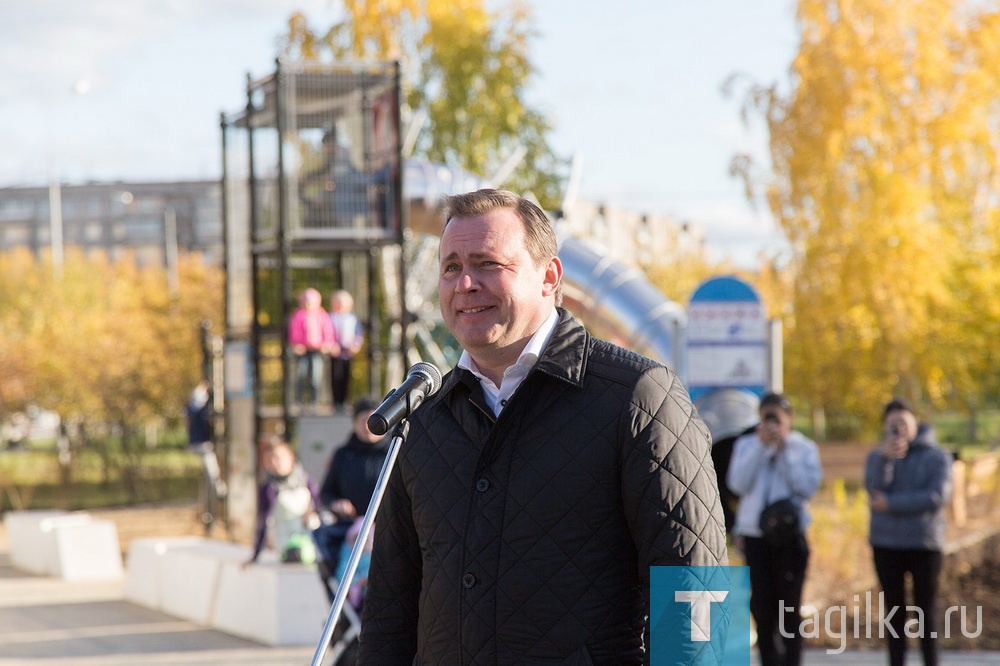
x: 539, y: 485
x: 354, y: 467
x: 349, y: 483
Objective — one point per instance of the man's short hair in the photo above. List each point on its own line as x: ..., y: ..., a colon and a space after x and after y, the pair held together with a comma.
x: 897, y: 405
x: 365, y: 403
x: 539, y: 236
x: 776, y: 400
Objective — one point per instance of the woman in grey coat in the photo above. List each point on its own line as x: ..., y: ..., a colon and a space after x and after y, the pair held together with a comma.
x: 908, y: 479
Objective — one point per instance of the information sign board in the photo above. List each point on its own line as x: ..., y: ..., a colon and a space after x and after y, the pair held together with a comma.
x: 727, y: 345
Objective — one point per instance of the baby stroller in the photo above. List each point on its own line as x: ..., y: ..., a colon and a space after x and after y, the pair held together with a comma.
x: 334, y: 544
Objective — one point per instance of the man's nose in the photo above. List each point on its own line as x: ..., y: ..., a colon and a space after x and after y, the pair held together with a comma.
x: 466, y: 282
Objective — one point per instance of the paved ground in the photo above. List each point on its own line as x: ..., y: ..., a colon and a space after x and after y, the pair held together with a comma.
x: 50, y: 621
x: 855, y: 658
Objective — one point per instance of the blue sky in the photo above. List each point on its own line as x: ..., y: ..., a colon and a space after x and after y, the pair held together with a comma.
x: 633, y: 89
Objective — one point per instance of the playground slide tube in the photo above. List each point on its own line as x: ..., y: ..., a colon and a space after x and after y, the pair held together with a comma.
x: 618, y: 303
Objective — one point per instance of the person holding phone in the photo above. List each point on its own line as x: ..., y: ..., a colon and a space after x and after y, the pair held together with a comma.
x: 908, y: 479
x: 772, y: 463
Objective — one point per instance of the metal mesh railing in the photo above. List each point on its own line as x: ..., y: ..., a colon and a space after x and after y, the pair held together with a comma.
x: 341, y: 150
x: 323, y: 141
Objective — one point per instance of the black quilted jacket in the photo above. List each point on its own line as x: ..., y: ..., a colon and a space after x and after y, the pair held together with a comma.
x: 527, y: 539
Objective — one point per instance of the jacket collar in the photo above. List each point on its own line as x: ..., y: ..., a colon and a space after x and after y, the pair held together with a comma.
x: 565, y: 357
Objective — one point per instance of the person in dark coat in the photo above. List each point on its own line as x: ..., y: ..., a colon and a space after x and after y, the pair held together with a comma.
x: 354, y: 467
x: 908, y: 479
x: 199, y: 412
x: 544, y: 479
x: 349, y: 483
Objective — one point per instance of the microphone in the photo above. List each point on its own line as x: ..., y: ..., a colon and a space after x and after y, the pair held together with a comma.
x: 422, y: 381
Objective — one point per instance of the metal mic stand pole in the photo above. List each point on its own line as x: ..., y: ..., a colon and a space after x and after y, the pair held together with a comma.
x: 398, y: 437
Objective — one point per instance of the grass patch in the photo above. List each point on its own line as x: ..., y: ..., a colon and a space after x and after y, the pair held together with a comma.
x: 958, y: 428
x: 77, y: 496
x: 34, y: 479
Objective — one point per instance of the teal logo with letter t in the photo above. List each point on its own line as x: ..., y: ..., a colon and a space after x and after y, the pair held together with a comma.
x: 699, y: 616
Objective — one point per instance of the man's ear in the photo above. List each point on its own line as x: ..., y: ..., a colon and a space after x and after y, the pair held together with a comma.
x: 553, y: 277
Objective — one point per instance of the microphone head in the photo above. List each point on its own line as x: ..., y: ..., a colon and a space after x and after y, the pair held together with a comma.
x: 431, y: 373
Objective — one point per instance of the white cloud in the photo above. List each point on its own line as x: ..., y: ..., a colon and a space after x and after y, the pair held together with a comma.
x: 45, y: 47
x: 157, y: 73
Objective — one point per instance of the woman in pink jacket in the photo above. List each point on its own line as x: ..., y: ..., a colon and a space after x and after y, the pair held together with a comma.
x: 311, y: 338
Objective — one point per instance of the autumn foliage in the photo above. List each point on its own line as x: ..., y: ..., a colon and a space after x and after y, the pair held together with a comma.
x: 884, y: 178
x: 103, y: 342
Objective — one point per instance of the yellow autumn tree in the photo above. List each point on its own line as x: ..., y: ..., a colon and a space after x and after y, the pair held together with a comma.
x: 106, y: 344
x: 884, y: 180
x: 19, y: 286
x: 465, y: 66
x: 679, y: 274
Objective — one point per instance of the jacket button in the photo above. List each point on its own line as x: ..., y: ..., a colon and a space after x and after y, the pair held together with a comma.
x: 468, y: 581
x: 482, y: 485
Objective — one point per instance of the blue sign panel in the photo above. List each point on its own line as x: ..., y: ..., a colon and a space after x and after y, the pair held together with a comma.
x: 726, y: 338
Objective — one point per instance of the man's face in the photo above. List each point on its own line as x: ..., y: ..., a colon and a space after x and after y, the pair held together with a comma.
x: 775, y: 424
x: 900, y: 425
x: 493, y: 296
x: 361, y: 427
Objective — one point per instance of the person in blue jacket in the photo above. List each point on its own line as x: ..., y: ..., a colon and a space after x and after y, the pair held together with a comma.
x: 908, y: 479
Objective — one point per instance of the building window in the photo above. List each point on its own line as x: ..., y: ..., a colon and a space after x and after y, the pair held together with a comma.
x: 144, y: 228
x: 93, y: 232
x: 16, y: 235
x: 16, y: 209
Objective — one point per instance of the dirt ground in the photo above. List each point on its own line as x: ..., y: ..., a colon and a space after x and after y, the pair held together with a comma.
x: 970, y: 579
x: 979, y: 587
x: 156, y: 520
x: 976, y: 590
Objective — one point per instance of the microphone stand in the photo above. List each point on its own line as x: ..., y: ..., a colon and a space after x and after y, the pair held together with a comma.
x: 398, y: 437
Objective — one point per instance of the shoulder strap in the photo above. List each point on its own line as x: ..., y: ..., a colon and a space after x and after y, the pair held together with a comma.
x: 773, y: 465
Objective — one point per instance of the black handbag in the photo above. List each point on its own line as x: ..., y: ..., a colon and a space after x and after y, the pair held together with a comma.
x: 779, y: 523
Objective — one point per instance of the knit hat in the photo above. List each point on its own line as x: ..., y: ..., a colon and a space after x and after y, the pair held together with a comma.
x: 365, y: 403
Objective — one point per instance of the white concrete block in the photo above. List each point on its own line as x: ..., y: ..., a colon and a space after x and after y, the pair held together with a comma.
x: 190, y: 576
x: 87, y: 550
x: 28, y: 544
x: 204, y: 581
x: 272, y: 603
x: 144, y: 569
x: 318, y: 437
x: 33, y: 540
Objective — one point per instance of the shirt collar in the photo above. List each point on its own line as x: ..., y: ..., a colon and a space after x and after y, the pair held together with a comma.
x: 529, y: 355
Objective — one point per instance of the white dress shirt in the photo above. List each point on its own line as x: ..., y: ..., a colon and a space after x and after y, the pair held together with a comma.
x: 513, y: 376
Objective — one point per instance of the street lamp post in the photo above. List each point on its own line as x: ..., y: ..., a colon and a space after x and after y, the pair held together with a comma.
x: 81, y: 87
x: 55, y: 221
